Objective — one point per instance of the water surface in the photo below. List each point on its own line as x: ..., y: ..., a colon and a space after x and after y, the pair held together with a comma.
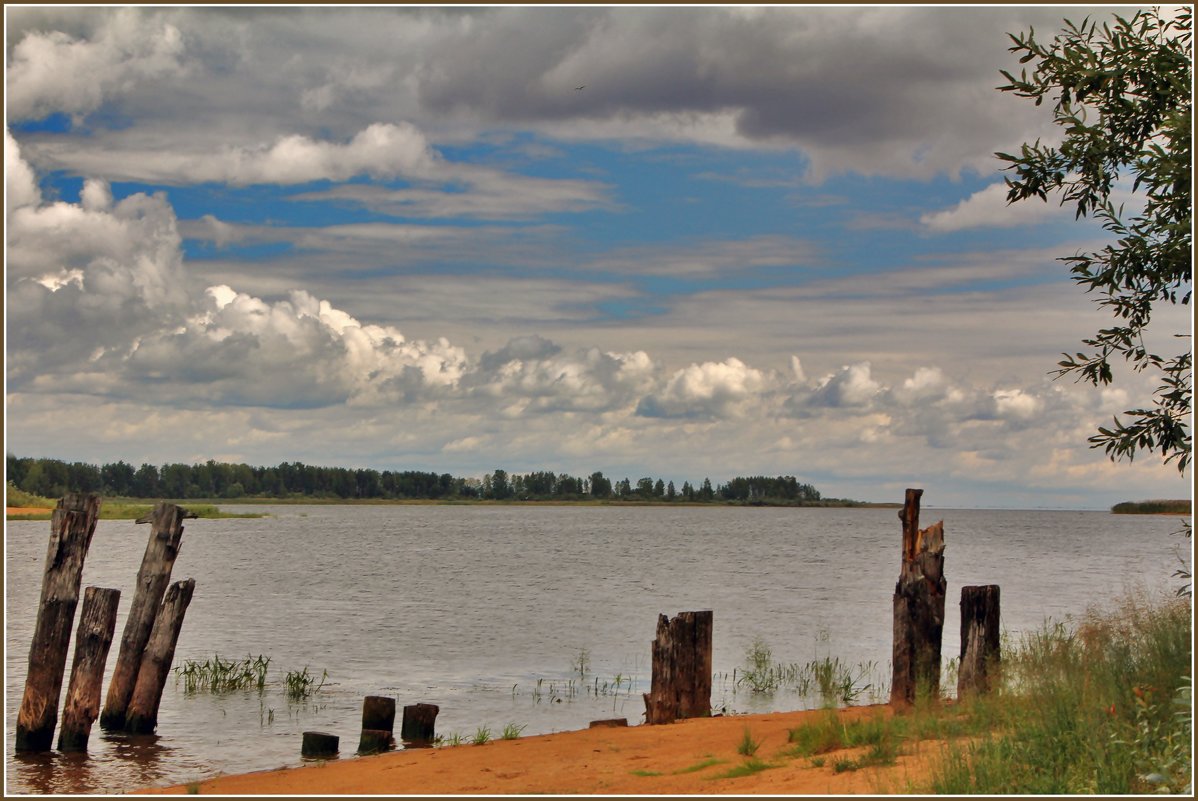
x: 468, y: 606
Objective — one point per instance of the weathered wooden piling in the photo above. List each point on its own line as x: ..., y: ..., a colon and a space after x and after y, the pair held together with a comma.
x: 319, y: 744
x: 141, y: 717
x: 375, y: 741
x: 419, y: 724
x: 918, y: 606
x: 979, y: 639
x: 378, y: 712
x: 378, y: 724
x: 681, y: 680
x: 72, y: 525
x: 97, y: 624
x: 166, y: 533
x: 609, y: 723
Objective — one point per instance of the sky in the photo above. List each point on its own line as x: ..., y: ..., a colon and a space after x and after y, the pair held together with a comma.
x: 666, y: 242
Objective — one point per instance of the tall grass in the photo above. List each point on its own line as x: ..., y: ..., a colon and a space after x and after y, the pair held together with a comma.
x: 1104, y: 707
x: 835, y: 682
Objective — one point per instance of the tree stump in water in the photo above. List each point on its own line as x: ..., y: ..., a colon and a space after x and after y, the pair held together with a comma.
x: 918, y: 607
x: 378, y: 712
x: 979, y: 639
x: 142, y: 714
x: 71, y: 528
x: 319, y: 744
x: 166, y: 534
x: 681, y: 680
x: 374, y: 741
x: 419, y: 724
x: 97, y: 623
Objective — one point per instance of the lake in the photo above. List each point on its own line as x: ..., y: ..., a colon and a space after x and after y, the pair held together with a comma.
x: 486, y: 610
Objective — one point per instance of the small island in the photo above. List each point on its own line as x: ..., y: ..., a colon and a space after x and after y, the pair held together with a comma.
x: 1175, y: 507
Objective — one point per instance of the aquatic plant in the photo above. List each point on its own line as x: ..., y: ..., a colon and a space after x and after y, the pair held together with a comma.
x: 217, y: 675
x: 511, y: 731
x: 299, y: 683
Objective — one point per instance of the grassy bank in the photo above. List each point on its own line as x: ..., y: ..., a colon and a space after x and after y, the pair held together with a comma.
x: 39, y: 508
x: 1101, y: 708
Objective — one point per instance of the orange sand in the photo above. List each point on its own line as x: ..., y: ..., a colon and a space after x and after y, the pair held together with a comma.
x: 637, y: 760
x: 9, y: 511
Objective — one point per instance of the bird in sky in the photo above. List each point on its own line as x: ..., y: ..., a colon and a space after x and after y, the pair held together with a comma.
x: 580, y: 88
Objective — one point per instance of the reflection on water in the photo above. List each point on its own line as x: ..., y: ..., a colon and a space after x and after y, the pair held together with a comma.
x: 485, y: 610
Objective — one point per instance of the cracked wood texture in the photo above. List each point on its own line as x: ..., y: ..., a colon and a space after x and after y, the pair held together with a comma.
x: 166, y: 533
x: 918, y: 606
x: 142, y: 715
x: 72, y: 525
x: 979, y: 639
x: 681, y: 679
x: 97, y: 624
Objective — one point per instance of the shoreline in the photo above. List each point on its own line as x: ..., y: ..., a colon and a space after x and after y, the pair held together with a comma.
x: 692, y: 756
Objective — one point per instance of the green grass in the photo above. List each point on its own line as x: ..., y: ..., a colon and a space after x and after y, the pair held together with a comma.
x: 482, y: 736
x: 300, y: 684
x: 641, y: 772
x: 218, y: 675
x: 746, y: 768
x: 698, y: 766
x: 1100, y: 708
x: 748, y: 746
x: 113, y: 508
x: 511, y: 731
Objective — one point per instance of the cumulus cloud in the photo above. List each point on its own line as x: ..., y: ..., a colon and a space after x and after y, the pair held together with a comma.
x: 52, y: 71
x: 711, y: 389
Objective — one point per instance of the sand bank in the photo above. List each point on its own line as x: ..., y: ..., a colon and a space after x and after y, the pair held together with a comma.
x: 687, y: 757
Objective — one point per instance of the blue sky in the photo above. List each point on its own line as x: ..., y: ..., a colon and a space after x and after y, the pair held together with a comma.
x: 759, y: 241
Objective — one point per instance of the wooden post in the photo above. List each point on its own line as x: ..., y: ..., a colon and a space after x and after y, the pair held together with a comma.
x: 419, y: 724
x: 979, y: 639
x: 71, y: 528
x: 319, y: 744
x: 378, y: 712
x: 918, y: 606
x: 166, y: 532
x: 97, y: 623
x: 378, y: 723
x: 142, y: 714
x: 681, y: 679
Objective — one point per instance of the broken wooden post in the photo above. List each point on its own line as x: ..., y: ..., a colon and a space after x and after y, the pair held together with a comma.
x: 979, y: 639
x: 918, y: 607
x: 166, y: 532
x: 419, y: 724
x: 681, y: 680
x: 141, y: 717
x: 72, y: 525
x: 97, y: 623
x: 378, y: 723
x: 319, y: 744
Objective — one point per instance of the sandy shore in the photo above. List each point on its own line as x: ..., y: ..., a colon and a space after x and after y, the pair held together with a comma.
x: 690, y: 757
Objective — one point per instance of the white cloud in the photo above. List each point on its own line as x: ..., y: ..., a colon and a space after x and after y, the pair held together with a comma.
x: 988, y: 208
x: 20, y: 185
x: 52, y: 71
x: 708, y: 390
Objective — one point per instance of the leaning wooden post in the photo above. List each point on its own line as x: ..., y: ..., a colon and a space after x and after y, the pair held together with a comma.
x: 142, y: 714
x: 979, y: 639
x: 97, y: 623
x: 166, y: 532
x: 419, y: 724
x: 918, y: 607
x: 681, y: 680
x: 71, y: 528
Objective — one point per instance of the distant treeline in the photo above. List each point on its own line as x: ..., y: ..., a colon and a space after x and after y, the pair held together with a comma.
x: 53, y: 478
x: 1153, y: 508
